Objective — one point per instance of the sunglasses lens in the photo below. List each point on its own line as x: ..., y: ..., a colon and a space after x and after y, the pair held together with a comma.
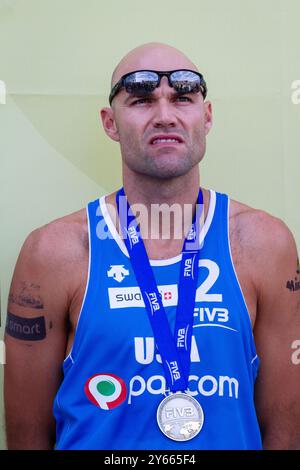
x: 141, y: 82
x: 185, y: 81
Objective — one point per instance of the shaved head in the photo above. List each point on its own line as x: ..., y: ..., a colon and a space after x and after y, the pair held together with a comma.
x: 152, y: 56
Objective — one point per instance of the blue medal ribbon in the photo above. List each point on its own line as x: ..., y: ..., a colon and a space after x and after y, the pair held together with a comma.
x: 174, y: 350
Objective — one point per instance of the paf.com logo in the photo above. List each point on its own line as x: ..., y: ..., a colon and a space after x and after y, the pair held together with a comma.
x: 107, y: 391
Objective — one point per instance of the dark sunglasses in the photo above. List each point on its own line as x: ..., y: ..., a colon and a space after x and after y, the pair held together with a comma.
x: 143, y: 82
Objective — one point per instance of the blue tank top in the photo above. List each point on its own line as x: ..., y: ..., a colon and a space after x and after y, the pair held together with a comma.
x: 113, y: 377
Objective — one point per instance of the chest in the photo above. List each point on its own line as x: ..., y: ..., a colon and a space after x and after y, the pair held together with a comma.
x: 119, y: 288
x: 120, y: 292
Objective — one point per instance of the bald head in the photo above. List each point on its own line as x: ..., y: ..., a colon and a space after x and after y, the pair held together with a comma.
x: 152, y: 56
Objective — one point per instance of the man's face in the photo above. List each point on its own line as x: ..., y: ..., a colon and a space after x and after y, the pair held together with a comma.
x: 163, y: 134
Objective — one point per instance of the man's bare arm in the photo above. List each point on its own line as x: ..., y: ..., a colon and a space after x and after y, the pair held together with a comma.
x: 277, y: 327
x: 36, y: 333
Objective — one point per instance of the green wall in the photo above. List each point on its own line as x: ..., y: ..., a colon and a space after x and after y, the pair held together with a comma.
x: 56, y: 58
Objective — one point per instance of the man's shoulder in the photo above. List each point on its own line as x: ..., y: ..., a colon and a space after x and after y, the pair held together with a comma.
x: 62, y: 240
x: 260, y: 233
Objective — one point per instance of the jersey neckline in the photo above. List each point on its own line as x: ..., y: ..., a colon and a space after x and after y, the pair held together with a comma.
x: 157, y: 262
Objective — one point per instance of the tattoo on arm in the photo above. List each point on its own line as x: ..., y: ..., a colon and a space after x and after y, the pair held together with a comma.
x: 294, y: 284
x: 28, y: 329
x: 28, y: 296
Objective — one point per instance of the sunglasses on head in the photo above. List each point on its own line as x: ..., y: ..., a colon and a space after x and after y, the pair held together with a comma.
x: 143, y: 82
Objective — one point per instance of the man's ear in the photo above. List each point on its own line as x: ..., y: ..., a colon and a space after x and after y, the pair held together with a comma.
x: 109, y: 123
x: 208, y: 116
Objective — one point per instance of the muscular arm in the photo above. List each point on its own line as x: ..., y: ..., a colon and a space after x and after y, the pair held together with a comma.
x: 35, y: 339
x: 277, y: 327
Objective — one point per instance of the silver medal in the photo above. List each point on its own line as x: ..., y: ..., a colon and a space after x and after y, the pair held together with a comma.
x: 180, y: 417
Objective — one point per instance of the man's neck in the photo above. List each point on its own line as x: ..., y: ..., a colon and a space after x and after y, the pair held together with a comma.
x: 164, y: 211
x: 149, y: 191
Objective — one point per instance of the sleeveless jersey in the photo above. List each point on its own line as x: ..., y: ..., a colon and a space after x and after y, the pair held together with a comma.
x: 113, y: 377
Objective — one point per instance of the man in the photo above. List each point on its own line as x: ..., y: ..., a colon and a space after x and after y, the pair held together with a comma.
x: 91, y: 301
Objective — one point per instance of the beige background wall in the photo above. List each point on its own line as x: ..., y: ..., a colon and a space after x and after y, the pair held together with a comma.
x: 56, y: 57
